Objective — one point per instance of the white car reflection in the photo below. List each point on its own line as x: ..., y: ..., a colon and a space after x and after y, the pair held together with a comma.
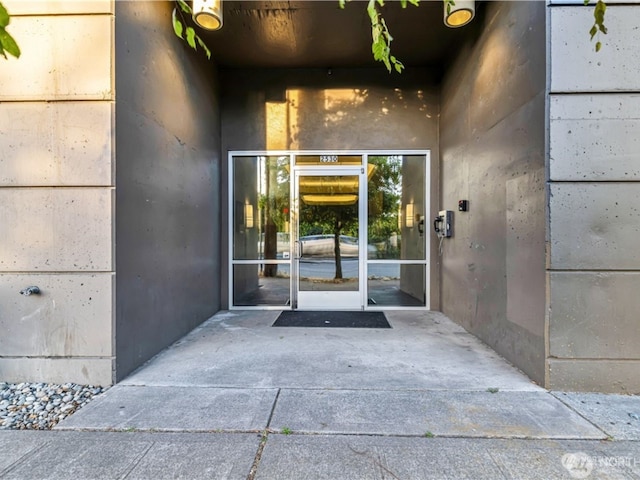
x: 324, y: 245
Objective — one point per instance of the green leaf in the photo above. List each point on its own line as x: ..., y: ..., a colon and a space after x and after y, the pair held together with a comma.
x: 449, y: 3
x: 397, y: 64
x: 9, y: 44
x: 191, y: 37
x: 4, y: 16
x: 178, y: 28
x: 184, y: 6
x: 598, y: 24
x: 373, y: 15
x: 204, y: 47
x: 377, y: 48
x: 2, y: 52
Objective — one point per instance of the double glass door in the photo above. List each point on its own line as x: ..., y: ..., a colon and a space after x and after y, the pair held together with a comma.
x: 328, y: 262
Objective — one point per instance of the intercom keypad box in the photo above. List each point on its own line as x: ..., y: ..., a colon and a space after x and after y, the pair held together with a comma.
x: 443, y: 223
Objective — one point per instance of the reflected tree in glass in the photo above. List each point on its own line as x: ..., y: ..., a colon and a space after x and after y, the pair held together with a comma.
x: 273, y: 206
x: 385, y: 192
x: 333, y: 220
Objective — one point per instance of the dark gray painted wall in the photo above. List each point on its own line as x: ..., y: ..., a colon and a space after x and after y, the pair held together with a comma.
x: 167, y: 185
x: 493, y: 154
x: 339, y: 109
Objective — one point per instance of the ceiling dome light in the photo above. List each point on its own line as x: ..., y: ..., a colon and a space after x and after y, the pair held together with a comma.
x: 208, y: 14
x: 460, y: 13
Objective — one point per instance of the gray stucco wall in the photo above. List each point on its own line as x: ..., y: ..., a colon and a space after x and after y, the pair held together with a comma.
x: 167, y: 185
x: 493, y: 154
x: 321, y: 109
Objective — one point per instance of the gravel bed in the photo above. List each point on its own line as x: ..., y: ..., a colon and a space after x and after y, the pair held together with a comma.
x: 40, y: 406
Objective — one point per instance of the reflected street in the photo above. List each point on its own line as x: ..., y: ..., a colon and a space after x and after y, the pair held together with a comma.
x: 326, y: 268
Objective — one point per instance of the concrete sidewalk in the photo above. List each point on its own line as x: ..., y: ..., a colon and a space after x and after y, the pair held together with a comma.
x: 237, y: 398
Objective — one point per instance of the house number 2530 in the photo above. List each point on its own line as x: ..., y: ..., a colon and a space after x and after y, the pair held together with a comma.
x: 328, y: 158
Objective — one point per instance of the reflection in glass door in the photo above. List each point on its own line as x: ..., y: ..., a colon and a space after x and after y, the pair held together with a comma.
x: 328, y: 262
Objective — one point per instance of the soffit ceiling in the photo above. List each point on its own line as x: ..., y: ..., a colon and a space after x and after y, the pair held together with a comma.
x: 317, y: 33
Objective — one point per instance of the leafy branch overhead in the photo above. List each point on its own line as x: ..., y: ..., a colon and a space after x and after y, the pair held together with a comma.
x: 180, y: 27
x: 380, y: 35
x: 7, y: 43
x: 598, y: 24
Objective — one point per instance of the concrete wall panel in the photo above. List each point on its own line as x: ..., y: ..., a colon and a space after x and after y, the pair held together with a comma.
x: 56, y: 229
x: 576, y: 67
x: 595, y: 137
x: 60, y: 143
x: 68, y: 318
x: 594, y: 315
x: 606, y: 376
x: 83, y: 371
x: 594, y: 159
x: 63, y: 58
x: 57, y: 7
x: 595, y: 226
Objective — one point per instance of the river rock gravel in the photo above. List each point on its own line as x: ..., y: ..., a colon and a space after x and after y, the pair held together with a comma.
x: 40, y: 406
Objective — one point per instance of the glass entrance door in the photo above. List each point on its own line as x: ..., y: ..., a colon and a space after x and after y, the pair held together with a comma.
x: 328, y: 239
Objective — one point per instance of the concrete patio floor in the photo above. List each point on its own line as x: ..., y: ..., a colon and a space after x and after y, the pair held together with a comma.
x: 237, y: 398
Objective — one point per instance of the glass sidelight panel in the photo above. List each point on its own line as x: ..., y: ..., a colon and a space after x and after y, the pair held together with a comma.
x: 397, y: 207
x: 261, y: 208
x: 252, y: 288
x: 397, y: 231
x: 328, y: 233
x: 395, y: 284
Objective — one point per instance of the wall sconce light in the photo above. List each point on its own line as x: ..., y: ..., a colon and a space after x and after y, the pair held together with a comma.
x: 248, y: 215
x: 459, y: 13
x: 208, y: 14
x: 409, y: 215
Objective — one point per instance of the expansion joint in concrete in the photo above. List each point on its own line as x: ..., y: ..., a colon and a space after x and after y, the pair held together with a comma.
x: 135, y: 463
x: 263, y: 441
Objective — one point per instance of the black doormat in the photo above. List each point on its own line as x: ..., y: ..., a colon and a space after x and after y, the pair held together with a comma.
x: 328, y: 319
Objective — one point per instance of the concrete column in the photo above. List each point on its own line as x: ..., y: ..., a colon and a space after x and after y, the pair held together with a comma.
x: 593, y: 264
x: 56, y: 193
